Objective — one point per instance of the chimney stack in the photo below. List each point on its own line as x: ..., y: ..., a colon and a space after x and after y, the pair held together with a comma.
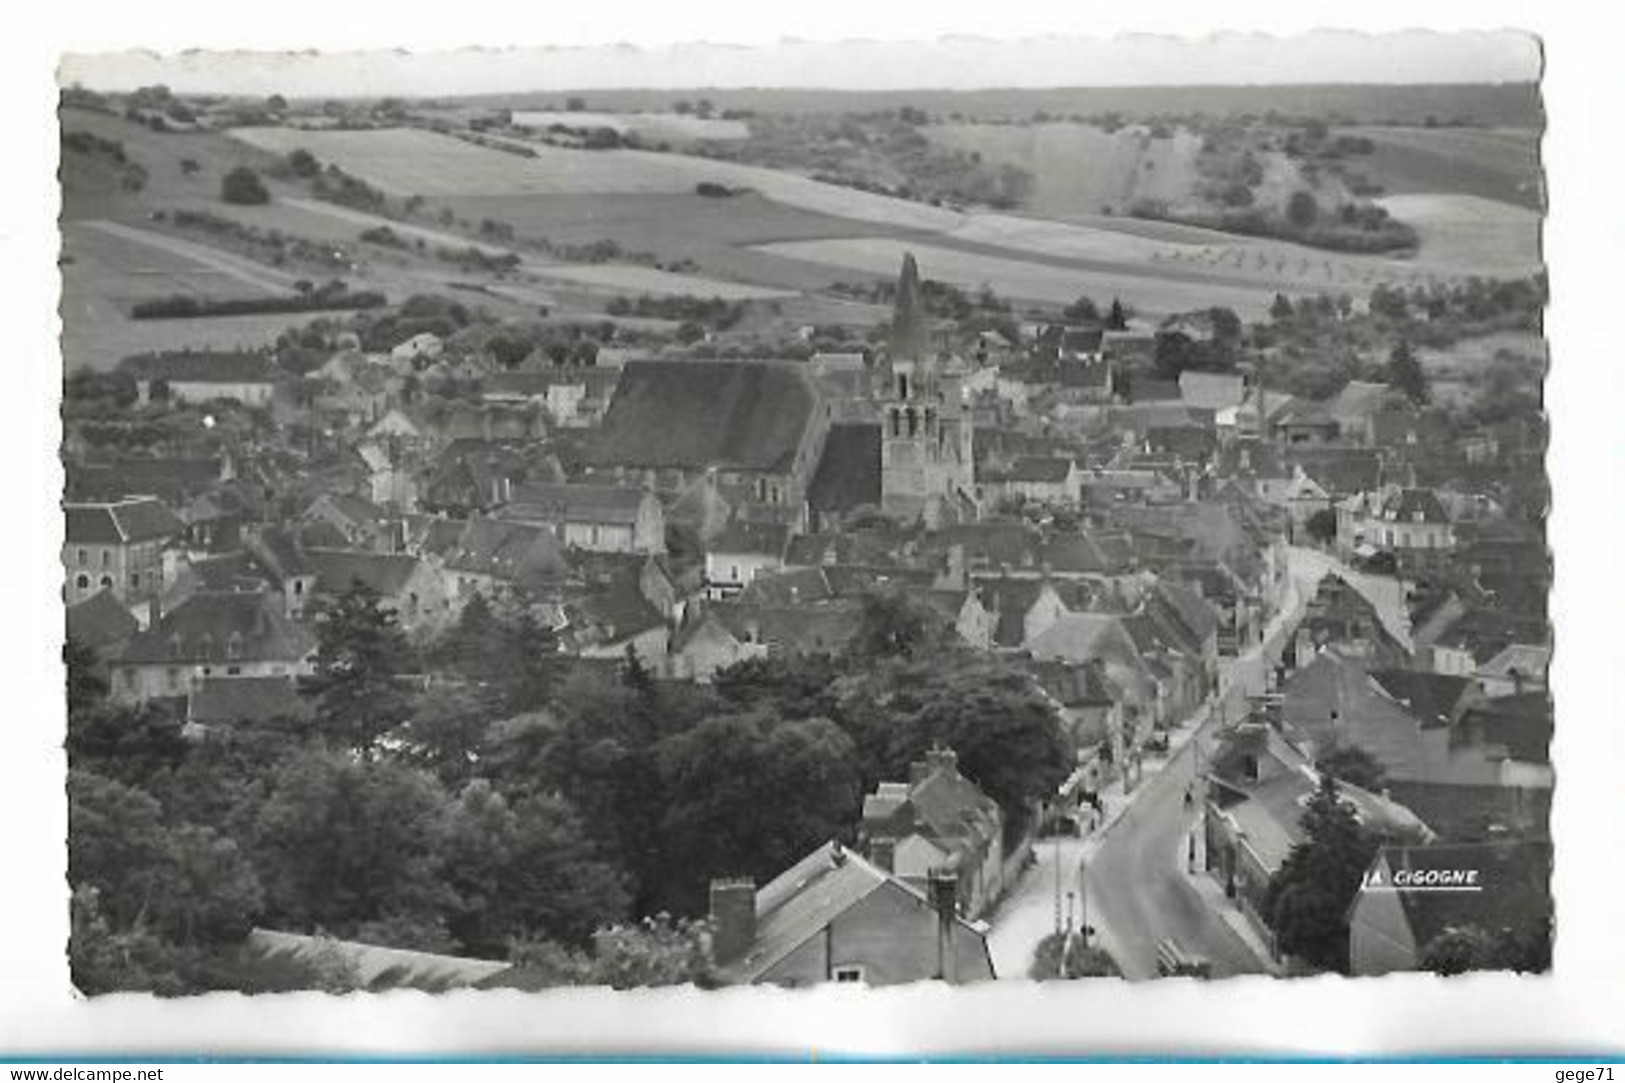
x: 733, y: 917
x: 942, y: 888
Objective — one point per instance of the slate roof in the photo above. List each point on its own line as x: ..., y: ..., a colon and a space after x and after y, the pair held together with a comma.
x: 225, y: 700
x: 694, y: 415
x: 125, y: 522
x: 848, y: 474
x: 222, y: 626
x: 805, y: 898
x: 100, y: 621
x: 1405, y: 505
x: 338, y: 570
x: 1434, y: 698
x: 202, y: 367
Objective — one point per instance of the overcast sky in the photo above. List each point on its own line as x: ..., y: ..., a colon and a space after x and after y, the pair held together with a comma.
x: 959, y: 63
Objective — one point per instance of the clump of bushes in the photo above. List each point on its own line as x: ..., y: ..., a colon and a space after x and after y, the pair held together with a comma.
x: 243, y: 186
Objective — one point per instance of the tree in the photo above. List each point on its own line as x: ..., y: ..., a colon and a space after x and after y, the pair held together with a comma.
x: 185, y: 884
x: 360, y: 652
x: 575, y: 105
x: 749, y: 794
x: 1456, y: 950
x: 1355, y: 766
x: 190, y: 167
x: 895, y: 625
x: 1302, y: 210
x: 341, y: 841
x: 1310, y: 894
x: 1083, y: 310
x: 1405, y: 374
x: 1082, y: 960
x: 1322, y: 526
x: 1281, y: 308
x: 303, y: 163
x: 1117, y: 318
x: 524, y: 870
x: 242, y: 185
x: 86, y: 686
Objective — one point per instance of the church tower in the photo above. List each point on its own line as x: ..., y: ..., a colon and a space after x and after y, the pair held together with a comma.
x: 926, y: 443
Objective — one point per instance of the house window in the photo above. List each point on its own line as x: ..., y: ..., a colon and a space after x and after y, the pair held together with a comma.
x: 107, y: 581
x: 135, y: 579
x: 107, y: 558
x: 735, y: 575
x: 849, y: 974
x: 299, y: 586
x: 83, y: 556
x: 81, y: 581
x: 234, y: 671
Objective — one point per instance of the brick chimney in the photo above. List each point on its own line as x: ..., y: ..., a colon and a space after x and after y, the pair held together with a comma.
x: 942, y: 888
x: 883, y: 853
x: 733, y: 917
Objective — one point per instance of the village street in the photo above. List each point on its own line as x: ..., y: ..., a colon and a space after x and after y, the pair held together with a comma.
x: 1136, y: 886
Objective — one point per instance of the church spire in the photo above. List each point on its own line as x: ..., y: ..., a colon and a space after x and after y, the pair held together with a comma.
x: 909, y: 335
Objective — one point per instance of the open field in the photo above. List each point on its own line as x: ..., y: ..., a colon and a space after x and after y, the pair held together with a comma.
x: 1082, y: 169
x: 1468, y: 235
x: 653, y: 127
x: 112, y: 268
x: 1492, y: 163
x: 408, y: 162
x: 1508, y: 104
x: 1027, y: 280
x: 618, y: 277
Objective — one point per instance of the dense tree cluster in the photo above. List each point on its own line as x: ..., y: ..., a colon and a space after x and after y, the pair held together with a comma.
x: 487, y: 795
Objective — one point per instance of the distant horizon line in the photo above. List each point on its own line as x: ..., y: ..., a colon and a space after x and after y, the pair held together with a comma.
x: 1001, y: 88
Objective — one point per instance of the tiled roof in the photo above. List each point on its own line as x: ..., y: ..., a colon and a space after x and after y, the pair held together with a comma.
x: 805, y: 629
x: 575, y: 502
x: 123, y: 523
x: 694, y: 415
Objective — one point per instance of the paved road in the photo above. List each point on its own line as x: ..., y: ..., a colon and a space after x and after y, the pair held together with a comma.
x: 1137, y: 893
x: 1137, y: 890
